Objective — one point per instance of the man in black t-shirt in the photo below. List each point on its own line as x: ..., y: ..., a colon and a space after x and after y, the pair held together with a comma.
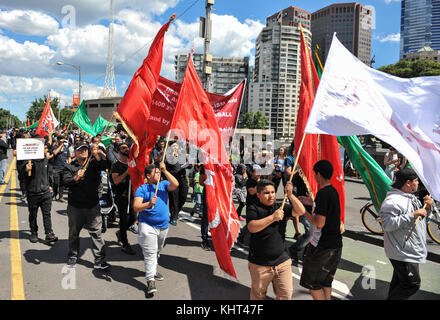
x: 268, y: 257
x: 120, y: 179
x: 324, y: 251
x: 251, y: 198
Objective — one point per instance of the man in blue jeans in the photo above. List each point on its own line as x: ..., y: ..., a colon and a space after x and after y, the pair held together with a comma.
x: 154, y: 217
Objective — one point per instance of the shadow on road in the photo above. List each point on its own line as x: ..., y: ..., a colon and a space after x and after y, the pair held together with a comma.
x: 203, y: 283
x: 369, y: 288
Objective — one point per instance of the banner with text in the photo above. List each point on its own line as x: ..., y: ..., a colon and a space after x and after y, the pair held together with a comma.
x: 226, y: 108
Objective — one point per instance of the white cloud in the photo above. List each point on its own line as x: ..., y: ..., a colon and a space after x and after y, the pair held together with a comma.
x: 24, y: 58
x: 393, y: 37
x: 389, y: 1
x: 28, y: 22
x: 89, y: 11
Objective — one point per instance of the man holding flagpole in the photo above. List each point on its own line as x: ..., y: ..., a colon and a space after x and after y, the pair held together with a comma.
x: 405, y: 249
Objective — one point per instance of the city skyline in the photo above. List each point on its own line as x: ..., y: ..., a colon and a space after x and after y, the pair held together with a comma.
x: 33, y: 37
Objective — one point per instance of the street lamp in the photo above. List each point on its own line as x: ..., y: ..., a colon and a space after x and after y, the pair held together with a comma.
x: 79, y: 71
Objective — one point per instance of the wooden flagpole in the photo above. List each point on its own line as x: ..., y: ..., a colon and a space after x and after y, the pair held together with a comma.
x: 163, y: 159
x: 294, y: 167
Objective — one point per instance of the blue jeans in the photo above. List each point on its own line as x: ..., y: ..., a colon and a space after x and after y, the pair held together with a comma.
x: 3, y: 170
x: 300, y: 244
x: 198, y: 207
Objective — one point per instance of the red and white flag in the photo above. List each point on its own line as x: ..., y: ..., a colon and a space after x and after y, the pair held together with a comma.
x: 47, y: 120
x: 195, y: 120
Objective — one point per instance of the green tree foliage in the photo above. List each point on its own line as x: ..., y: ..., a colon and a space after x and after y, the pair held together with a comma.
x: 63, y: 115
x: 251, y: 120
x: 411, y: 69
x: 6, y: 117
x: 37, y: 107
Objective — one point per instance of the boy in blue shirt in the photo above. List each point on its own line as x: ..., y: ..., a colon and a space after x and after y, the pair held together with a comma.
x: 154, y: 217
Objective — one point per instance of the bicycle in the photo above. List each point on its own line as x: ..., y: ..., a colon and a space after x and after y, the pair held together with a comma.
x: 373, y: 222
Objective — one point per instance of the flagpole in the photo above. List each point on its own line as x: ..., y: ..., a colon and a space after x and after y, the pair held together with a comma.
x: 294, y: 168
x: 163, y: 159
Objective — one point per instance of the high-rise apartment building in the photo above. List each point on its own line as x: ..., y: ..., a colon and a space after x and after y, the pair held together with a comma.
x: 419, y: 25
x: 352, y: 23
x: 227, y: 72
x: 274, y: 89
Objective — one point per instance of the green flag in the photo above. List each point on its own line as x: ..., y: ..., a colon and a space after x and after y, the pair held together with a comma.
x: 375, y: 179
x: 33, y: 126
x: 100, y: 124
x: 106, y: 141
x: 81, y: 118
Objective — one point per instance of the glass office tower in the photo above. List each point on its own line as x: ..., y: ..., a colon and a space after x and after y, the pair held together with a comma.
x: 420, y: 25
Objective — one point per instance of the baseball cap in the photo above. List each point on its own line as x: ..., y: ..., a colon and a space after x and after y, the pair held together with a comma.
x: 403, y: 176
x: 82, y: 146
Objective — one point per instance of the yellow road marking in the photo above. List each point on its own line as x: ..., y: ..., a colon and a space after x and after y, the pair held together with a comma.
x: 8, y: 175
x: 17, y: 286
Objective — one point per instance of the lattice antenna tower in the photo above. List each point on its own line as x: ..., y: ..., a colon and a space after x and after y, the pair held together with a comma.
x: 110, y: 83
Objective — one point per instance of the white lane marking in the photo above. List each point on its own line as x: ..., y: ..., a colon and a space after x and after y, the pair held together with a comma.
x: 336, y: 285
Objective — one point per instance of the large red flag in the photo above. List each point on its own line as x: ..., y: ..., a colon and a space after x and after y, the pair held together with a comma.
x: 319, y: 147
x: 134, y: 108
x: 309, y: 153
x: 194, y: 120
x: 47, y: 120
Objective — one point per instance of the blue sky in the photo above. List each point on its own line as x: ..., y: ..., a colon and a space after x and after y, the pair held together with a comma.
x: 34, y: 35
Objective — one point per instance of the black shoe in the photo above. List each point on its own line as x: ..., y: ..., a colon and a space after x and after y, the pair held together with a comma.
x: 151, y: 287
x: 128, y: 249
x: 101, y: 266
x: 173, y: 222
x: 61, y: 200
x: 205, y: 245
x: 34, y: 237
x: 158, y: 277
x: 71, y: 263
x: 50, y: 237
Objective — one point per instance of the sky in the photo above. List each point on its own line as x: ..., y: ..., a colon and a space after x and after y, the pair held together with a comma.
x: 34, y: 35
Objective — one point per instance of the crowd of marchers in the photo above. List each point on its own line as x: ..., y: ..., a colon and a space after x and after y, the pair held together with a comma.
x: 81, y: 166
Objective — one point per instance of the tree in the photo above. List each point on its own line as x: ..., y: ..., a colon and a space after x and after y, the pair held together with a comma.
x: 63, y: 115
x: 251, y: 120
x: 7, y: 118
x: 35, y: 111
x: 411, y: 69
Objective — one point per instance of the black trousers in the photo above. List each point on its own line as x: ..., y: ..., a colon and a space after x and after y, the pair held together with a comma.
x: 126, y: 218
x: 58, y: 185
x: 177, y: 198
x: 90, y: 219
x: 406, y: 280
x: 204, y: 226
x: 43, y: 201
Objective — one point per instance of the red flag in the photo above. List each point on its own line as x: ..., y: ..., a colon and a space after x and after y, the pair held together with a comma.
x: 28, y: 123
x: 318, y: 147
x: 47, y: 120
x: 309, y: 152
x: 134, y: 108
x: 194, y: 120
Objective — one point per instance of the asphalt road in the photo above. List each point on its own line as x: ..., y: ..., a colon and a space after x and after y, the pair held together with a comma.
x: 38, y: 271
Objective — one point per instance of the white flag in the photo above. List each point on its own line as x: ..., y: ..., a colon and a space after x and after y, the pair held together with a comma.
x: 354, y: 99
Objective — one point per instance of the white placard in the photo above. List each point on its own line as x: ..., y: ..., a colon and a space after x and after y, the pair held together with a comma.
x: 30, y: 148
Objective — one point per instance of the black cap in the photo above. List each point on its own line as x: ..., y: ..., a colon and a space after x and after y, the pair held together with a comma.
x: 82, y: 146
x: 403, y: 176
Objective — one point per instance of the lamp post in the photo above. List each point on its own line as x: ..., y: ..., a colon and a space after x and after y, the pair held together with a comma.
x: 79, y: 78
